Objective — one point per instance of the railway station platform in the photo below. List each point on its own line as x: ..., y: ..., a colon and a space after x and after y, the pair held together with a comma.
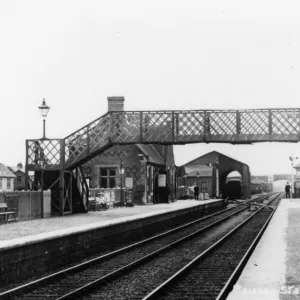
x: 273, y: 270
x: 43, y: 245
x: 14, y: 234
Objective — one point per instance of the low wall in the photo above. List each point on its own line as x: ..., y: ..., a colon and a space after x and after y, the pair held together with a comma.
x: 34, y: 259
x: 27, y: 204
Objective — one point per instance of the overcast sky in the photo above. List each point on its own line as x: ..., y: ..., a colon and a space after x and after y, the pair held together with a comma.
x: 158, y: 54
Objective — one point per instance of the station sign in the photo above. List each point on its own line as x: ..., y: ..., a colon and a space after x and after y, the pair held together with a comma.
x: 162, y: 180
x: 129, y: 182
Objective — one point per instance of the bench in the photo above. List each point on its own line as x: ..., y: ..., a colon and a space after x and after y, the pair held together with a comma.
x: 6, y: 213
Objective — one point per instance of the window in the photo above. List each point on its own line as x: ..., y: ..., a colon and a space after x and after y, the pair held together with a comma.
x: 204, y: 187
x: 8, y: 183
x: 19, y: 178
x: 108, y: 177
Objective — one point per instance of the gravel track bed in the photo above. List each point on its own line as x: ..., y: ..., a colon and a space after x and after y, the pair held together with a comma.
x: 208, y: 277
x: 101, y: 251
x: 115, y: 246
x: 140, y: 281
x: 84, y: 276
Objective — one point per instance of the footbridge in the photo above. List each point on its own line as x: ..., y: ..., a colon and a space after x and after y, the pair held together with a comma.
x: 65, y: 156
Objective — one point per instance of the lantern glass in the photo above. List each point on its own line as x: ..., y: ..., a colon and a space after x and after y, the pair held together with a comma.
x: 42, y: 164
x: 122, y: 170
x: 44, y: 109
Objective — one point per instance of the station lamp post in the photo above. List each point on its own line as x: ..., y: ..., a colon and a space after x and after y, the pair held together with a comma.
x: 44, y: 109
x: 42, y: 165
x: 292, y: 159
x: 217, y: 179
x: 122, y: 170
x: 185, y: 187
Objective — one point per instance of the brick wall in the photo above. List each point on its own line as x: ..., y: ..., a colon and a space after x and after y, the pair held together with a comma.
x: 115, y: 103
x: 27, y: 204
x: 133, y: 168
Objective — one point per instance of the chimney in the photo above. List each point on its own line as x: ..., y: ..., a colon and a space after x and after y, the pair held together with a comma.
x: 115, y: 103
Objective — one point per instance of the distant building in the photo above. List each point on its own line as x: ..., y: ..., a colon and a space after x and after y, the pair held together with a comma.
x: 19, y: 180
x: 200, y: 175
x: 210, y: 172
x: 287, y: 177
x: 6, y: 179
x: 259, y: 178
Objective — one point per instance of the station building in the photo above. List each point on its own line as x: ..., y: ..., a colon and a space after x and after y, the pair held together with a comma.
x: 149, y: 170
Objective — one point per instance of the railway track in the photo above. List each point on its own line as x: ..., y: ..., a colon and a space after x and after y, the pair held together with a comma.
x: 135, y: 262
x: 212, y: 274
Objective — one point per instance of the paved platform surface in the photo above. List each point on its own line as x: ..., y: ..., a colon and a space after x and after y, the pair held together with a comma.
x: 273, y: 270
x: 13, y: 234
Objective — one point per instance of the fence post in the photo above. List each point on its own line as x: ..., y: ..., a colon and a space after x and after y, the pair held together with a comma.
x: 30, y: 217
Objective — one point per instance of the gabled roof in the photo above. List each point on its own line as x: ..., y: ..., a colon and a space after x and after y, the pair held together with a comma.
x: 154, y: 156
x: 5, y: 172
x: 218, y: 153
x: 198, y: 170
x: 15, y: 169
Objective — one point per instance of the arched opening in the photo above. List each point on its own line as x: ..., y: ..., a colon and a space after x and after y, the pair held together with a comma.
x: 233, y: 185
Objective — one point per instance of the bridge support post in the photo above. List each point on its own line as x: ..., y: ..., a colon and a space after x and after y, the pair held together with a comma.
x: 26, y: 168
x: 141, y: 126
x: 62, y: 178
x: 61, y: 192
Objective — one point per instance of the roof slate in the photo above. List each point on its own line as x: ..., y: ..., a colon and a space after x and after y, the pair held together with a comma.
x: 5, y: 172
x: 154, y: 156
x: 216, y: 152
x: 15, y: 169
x: 198, y: 170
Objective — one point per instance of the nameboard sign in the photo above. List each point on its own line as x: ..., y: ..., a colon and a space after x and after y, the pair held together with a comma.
x: 129, y: 182
x: 162, y: 180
